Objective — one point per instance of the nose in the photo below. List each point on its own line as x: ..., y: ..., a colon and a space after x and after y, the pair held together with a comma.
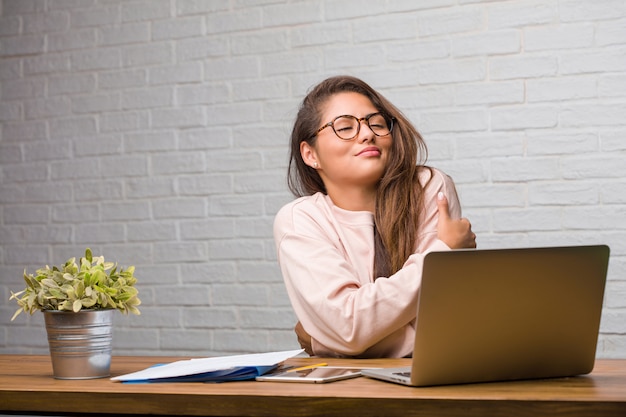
x: 365, y: 132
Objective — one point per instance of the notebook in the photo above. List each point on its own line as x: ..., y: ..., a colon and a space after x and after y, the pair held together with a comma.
x: 488, y: 315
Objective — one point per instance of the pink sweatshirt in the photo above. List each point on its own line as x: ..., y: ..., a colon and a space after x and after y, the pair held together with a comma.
x: 326, y: 255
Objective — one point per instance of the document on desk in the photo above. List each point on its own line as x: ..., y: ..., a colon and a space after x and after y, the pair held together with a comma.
x: 217, y: 369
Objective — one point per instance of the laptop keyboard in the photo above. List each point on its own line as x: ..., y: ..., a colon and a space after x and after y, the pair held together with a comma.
x: 403, y: 374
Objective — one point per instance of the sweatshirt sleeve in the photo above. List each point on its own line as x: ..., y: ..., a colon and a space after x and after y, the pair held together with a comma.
x: 345, y: 313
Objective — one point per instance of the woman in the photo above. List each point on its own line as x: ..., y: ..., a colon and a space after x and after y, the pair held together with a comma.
x: 351, y: 246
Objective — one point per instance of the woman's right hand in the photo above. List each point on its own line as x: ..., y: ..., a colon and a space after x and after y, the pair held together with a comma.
x: 456, y: 233
x: 304, y: 338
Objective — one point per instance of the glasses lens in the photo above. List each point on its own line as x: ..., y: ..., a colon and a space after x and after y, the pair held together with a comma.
x: 379, y: 124
x: 346, y: 127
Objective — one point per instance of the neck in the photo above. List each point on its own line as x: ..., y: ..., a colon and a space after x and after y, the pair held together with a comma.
x: 353, y: 199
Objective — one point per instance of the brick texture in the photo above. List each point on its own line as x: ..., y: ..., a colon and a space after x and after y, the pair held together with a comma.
x: 156, y: 133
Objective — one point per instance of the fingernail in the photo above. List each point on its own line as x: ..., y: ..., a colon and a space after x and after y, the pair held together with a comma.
x: 440, y: 196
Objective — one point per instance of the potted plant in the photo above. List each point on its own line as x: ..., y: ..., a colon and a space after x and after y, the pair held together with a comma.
x: 78, y: 301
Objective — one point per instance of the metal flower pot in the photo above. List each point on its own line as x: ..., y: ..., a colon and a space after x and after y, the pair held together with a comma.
x: 80, y: 343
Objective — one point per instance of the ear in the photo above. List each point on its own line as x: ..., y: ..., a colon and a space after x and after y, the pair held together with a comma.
x: 308, y: 155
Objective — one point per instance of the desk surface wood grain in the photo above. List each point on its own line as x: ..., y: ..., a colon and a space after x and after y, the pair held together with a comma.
x: 27, y: 385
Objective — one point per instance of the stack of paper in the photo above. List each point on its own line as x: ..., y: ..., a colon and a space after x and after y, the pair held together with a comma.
x: 218, y: 369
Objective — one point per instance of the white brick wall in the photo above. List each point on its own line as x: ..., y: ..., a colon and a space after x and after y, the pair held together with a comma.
x: 155, y: 132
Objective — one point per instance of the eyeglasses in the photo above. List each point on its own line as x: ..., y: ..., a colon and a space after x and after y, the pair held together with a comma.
x: 347, y: 127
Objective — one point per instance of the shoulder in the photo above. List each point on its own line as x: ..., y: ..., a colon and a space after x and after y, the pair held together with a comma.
x: 435, y: 179
x: 308, y: 204
x: 295, y: 213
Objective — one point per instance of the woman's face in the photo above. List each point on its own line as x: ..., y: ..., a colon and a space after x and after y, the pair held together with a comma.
x: 347, y: 163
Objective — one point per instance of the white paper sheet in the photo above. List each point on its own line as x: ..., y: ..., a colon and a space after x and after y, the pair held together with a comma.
x: 203, y: 365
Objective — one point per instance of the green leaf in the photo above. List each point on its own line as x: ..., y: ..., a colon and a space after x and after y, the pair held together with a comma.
x: 57, y: 276
x: 30, y: 280
x: 30, y: 302
x: 124, y: 296
x: 79, y: 288
x: 47, y: 282
x: 84, y: 264
x: 110, y: 301
x: 64, y: 306
x: 57, y: 293
x: 16, y: 295
x: 77, y: 305
x: 133, y: 309
x: 103, y: 300
x: 17, y: 313
x: 67, y: 289
x: 99, y: 277
x: 89, y: 302
x: 87, y: 278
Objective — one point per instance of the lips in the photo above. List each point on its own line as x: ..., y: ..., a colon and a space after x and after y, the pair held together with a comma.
x: 369, y: 151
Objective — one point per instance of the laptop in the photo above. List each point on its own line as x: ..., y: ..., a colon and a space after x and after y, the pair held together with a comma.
x: 486, y: 315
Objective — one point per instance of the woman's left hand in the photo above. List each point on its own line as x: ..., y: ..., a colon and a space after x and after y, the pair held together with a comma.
x: 456, y: 233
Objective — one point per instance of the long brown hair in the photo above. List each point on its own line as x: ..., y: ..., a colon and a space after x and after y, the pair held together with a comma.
x: 399, y: 194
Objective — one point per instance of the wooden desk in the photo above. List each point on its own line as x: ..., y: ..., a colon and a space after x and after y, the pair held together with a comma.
x: 27, y: 385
